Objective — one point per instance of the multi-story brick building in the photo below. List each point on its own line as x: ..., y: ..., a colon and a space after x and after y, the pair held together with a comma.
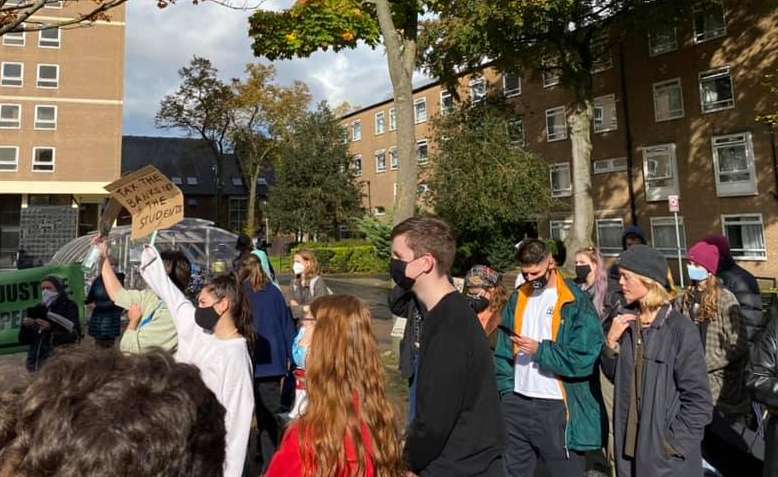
x: 675, y: 114
x: 61, y: 97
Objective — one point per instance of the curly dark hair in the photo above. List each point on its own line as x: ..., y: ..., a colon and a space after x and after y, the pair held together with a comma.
x: 99, y: 412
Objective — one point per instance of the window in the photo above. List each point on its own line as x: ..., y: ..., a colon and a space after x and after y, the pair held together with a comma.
x: 380, y: 161
x: 668, y: 100
x: 394, y: 159
x: 662, y: 40
x: 511, y: 83
x: 48, y: 76
x: 10, y: 116
x: 45, y: 117
x: 191, y: 180
x: 239, y: 207
x: 380, y: 211
x: 9, y: 158
x: 716, y: 92
x: 516, y: 131
x: 446, y: 102
x: 423, y: 189
x: 605, y: 118
x: 357, y: 165
x: 422, y: 152
x: 237, y: 181
x: 15, y: 38
x: 53, y: 4
x: 49, y: 38
x: 43, y: 159
x: 380, y: 123
x: 550, y: 72
x: 356, y: 131
x: 420, y: 110
x: 660, y: 172
x: 477, y: 90
x: 663, y: 237
x: 262, y: 181
x: 176, y: 180
x: 609, y: 232
x: 344, y: 134
x: 392, y: 119
x: 601, y: 54
x: 733, y: 159
x: 709, y: 22
x: 561, y: 183
x: 746, y: 236
x: 604, y: 166
x: 11, y: 74
x: 192, y: 203
x: 559, y: 229
x: 556, y: 124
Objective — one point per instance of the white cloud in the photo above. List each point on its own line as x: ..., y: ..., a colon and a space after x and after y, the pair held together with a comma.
x: 159, y: 42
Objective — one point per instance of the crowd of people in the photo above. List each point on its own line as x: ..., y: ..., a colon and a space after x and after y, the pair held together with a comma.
x: 611, y: 371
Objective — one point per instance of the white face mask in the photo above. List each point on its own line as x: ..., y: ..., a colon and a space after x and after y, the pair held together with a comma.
x: 298, y: 268
x: 48, y: 297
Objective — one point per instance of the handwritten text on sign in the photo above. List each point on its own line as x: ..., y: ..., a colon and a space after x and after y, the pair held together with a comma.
x: 154, y: 201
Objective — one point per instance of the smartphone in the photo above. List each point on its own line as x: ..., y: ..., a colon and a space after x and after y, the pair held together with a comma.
x: 508, y: 331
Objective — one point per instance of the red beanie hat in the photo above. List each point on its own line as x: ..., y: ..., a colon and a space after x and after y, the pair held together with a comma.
x: 705, y: 255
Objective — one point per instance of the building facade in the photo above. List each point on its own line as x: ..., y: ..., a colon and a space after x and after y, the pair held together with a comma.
x: 61, y: 97
x: 674, y: 114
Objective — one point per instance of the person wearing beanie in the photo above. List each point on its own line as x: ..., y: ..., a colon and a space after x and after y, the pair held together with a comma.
x: 614, y: 299
x: 743, y: 285
x: 716, y: 312
x: 487, y: 296
x: 655, y: 358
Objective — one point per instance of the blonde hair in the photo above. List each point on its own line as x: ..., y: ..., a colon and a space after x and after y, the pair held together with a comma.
x: 310, y: 261
x: 657, y: 295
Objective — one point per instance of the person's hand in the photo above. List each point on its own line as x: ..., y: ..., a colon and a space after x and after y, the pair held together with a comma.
x: 526, y: 346
x: 28, y: 322
x: 620, y: 324
x: 102, y: 246
x: 43, y: 324
x: 134, y: 314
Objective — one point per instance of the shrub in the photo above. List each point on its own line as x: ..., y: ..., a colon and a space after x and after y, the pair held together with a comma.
x: 345, y: 257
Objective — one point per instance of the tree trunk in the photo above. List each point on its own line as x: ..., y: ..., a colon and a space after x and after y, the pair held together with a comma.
x: 401, y: 58
x: 251, y: 216
x: 580, y: 120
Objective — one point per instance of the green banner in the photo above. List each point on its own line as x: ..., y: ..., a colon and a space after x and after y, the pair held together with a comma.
x: 20, y: 290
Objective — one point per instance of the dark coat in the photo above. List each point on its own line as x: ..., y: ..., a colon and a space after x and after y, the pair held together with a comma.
x: 42, y: 344
x: 105, y: 322
x: 745, y: 288
x: 676, y: 401
x: 404, y: 304
x: 274, y: 329
x: 762, y: 374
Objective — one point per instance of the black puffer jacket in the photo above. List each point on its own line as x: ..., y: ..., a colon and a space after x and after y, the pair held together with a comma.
x: 745, y: 288
x: 762, y: 374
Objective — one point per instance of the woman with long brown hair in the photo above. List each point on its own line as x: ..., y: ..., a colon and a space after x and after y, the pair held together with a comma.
x: 307, y: 284
x: 349, y: 427
x: 487, y: 297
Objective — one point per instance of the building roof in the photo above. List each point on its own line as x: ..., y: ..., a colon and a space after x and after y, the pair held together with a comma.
x: 390, y: 99
x: 185, y: 160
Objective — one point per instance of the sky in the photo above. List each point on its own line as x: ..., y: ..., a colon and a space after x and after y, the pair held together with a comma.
x: 159, y: 42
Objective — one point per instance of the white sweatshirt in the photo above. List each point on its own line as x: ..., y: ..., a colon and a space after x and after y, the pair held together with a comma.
x: 224, y: 365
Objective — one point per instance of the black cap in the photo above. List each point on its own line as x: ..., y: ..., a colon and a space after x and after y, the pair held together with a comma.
x: 645, y: 261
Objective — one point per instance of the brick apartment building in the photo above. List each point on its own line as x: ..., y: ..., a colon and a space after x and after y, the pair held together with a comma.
x: 61, y: 96
x: 674, y: 114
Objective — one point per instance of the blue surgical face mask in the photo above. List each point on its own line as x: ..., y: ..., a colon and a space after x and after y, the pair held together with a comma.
x: 697, y: 273
x: 299, y: 353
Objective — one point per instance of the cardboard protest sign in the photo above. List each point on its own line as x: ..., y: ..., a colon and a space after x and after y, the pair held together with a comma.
x: 109, y: 215
x: 151, y: 198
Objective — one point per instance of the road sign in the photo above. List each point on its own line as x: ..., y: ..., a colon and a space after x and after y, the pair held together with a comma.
x: 674, y: 203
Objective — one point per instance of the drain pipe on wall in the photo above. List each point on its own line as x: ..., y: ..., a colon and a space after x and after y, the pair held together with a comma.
x: 628, y: 137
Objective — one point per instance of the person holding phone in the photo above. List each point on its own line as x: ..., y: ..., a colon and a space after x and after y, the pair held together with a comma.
x: 545, y: 362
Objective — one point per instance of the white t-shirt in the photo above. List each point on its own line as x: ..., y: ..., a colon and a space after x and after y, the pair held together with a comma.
x: 536, y: 324
x: 224, y: 365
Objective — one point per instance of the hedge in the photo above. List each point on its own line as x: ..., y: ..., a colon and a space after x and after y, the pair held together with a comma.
x: 345, y: 257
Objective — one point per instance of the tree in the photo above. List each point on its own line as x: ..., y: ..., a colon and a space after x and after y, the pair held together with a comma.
x: 202, y: 106
x: 484, y: 183
x: 315, y: 190
x: 263, y: 116
x: 566, y: 38
x: 314, y: 25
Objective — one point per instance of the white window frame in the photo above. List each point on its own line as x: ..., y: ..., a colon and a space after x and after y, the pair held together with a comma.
x: 563, y: 226
x: 392, y: 119
x: 606, y: 166
x: 670, y: 222
x: 357, y: 170
x: 53, y: 4
x: 601, y: 102
x: 656, y: 50
x: 42, y: 40
x: 377, y: 168
x: 552, y: 112
x: 354, y: 136
x: 36, y: 121
x: 7, y: 40
x: 379, y: 130
x: 193, y: 181
x: 379, y: 211
x: 443, y: 96
x: 38, y: 76
x: 418, y: 118
x: 15, y: 161
x: 477, y: 98
x: 702, y: 37
x: 712, y: 74
x: 176, y: 180
x: 423, y: 188
x: 522, y: 140
x: 510, y: 93
x: 419, y: 143
x: 660, y: 193
x: 662, y: 85
x: 237, y: 181
x: 748, y: 254
x: 609, y: 222
x: 558, y: 167
x: 741, y: 188
x: 3, y: 77
x: 346, y: 134
x: 392, y: 164
x: 19, y: 108
x: 53, y: 159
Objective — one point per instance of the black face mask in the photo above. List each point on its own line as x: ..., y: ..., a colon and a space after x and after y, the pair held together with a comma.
x: 540, y: 282
x: 581, y: 272
x: 397, y: 271
x: 206, y: 317
x: 477, y: 303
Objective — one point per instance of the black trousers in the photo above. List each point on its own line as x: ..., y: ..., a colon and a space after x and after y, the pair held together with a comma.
x: 726, y: 447
x: 771, y: 447
x: 267, y: 402
x: 535, y: 429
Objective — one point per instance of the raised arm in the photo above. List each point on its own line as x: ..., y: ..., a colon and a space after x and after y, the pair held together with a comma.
x: 112, y: 284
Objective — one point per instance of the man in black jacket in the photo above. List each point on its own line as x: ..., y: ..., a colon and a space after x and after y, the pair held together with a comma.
x: 762, y: 381
x: 455, y: 427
